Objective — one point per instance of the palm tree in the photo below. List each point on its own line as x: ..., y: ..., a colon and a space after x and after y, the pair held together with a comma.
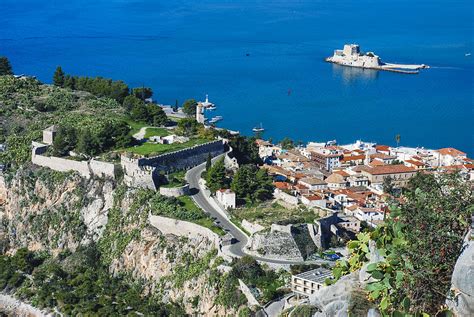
x: 397, y: 139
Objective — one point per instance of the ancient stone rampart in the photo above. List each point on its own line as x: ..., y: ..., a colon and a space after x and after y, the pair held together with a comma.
x: 84, y: 168
x: 184, y: 159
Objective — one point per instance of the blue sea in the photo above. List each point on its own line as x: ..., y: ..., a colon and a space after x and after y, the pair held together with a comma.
x: 262, y: 61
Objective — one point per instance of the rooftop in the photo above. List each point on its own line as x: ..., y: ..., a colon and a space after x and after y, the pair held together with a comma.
x: 389, y: 169
x: 316, y: 275
x: 451, y: 151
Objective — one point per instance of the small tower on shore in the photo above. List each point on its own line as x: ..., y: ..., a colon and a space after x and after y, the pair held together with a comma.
x: 199, y: 113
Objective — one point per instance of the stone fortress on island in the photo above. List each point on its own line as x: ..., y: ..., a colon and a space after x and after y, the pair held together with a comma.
x: 351, y: 56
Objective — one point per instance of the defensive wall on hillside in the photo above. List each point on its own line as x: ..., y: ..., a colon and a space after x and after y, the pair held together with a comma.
x: 144, y: 172
x: 184, y: 159
x: 84, y: 168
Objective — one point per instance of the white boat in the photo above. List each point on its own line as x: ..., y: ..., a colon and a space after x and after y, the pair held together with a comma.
x: 215, y: 119
x: 212, y: 108
x: 258, y: 129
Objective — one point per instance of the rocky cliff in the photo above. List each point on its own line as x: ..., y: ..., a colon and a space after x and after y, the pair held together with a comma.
x: 52, y: 211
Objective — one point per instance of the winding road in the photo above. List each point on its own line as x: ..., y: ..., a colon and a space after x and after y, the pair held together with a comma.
x: 206, y: 203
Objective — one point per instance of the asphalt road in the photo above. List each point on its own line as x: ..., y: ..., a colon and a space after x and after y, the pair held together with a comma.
x: 237, y: 248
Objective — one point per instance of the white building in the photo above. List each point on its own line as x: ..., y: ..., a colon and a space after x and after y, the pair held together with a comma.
x: 226, y: 198
x: 307, y: 283
x: 314, y: 201
x: 313, y: 183
x: 368, y: 214
x: 450, y: 156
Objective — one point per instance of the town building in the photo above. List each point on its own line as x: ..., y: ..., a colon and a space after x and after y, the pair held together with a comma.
x: 400, y: 174
x: 307, y: 283
x: 313, y: 183
x: 327, y: 158
x: 450, y: 156
x: 226, y: 198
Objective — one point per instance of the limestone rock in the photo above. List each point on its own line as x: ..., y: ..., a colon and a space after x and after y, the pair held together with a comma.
x: 463, y: 283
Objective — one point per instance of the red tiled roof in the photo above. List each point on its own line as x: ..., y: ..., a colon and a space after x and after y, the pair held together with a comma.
x: 451, y: 151
x: 282, y: 185
x: 389, y: 169
x: 352, y: 158
x: 416, y: 163
x: 382, y: 148
x: 342, y: 173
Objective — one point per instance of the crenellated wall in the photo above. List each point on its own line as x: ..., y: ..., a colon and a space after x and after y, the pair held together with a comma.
x: 184, y: 159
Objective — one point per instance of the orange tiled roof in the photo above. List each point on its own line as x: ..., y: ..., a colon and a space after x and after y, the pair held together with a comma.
x: 352, y: 158
x: 450, y: 151
x: 282, y: 185
x: 382, y: 148
x: 389, y: 169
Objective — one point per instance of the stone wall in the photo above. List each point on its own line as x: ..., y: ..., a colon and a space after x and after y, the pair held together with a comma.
x: 61, y: 164
x: 182, y: 228
x: 184, y: 159
x: 84, y: 168
x: 103, y: 169
x: 292, y: 200
x: 175, y: 191
x: 135, y: 175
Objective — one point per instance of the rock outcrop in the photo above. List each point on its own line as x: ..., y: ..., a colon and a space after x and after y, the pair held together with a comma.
x: 463, y: 283
x: 52, y: 211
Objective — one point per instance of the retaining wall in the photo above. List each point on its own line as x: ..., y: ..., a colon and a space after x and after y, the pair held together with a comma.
x: 251, y: 227
x: 182, y: 228
x: 175, y: 191
x: 84, y: 168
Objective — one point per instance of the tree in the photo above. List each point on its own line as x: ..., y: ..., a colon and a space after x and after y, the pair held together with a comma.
x: 130, y: 102
x: 252, y: 183
x: 142, y: 93
x: 397, y: 139
x: 86, y: 143
x: 64, y: 141
x: 388, y: 186
x: 188, y: 126
x: 58, y: 77
x: 287, y: 143
x: 155, y: 115
x: 216, y: 176
x: 139, y: 113
x: 265, y: 187
x: 189, y: 107
x: 209, y: 162
x: 5, y: 66
x: 175, y: 108
x: 245, y: 150
x: 70, y: 82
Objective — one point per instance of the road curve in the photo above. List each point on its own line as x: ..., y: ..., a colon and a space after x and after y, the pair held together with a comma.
x: 203, y: 201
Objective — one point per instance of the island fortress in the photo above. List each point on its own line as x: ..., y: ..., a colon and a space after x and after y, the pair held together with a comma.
x: 351, y: 56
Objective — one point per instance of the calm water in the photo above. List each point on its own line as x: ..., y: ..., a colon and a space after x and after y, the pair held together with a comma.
x: 185, y: 49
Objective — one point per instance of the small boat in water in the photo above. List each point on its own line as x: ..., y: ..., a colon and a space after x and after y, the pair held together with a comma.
x: 212, y: 108
x: 215, y: 119
x: 258, y: 129
x: 467, y: 54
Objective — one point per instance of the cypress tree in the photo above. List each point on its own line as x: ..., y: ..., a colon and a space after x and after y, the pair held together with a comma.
x: 58, y: 78
x: 5, y: 66
x: 208, y: 162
